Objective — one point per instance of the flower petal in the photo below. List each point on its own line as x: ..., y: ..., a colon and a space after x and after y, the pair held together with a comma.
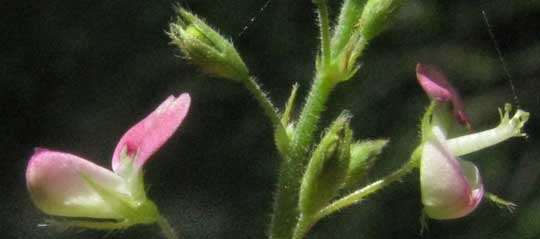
x: 472, y: 174
x: 56, y: 184
x: 436, y: 86
x: 448, y: 190
x: 148, y: 135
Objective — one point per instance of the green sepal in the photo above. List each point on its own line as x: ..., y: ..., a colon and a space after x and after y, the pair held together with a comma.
x: 105, y: 225
x: 282, y: 141
x: 443, y: 117
x: 425, y: 122
x: 375, y: 16
x: 289, y: 107
x: 349, y: 15
x: 133, y: 211
x: 363, y: 157
x: 283, y: 137
x: 499, y: 202
x: 347, y: 42
x: 327, y: 169
x: 132, y: 175
x: 206, y: 48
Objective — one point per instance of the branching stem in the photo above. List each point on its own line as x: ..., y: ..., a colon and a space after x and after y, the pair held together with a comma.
x: 357, y: 195
x: 265, y: 103
x: 286, y: 201
x: 306, y: 222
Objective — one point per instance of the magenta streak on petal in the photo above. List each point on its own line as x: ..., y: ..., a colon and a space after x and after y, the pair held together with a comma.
x: 436, y: 86
x: 149, y: 134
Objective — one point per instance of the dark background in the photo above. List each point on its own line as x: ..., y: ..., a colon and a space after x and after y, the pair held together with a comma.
x: 75, y: 75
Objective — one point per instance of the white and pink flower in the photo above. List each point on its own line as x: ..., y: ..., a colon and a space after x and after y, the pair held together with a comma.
x: 63, y: 184
x: 451, y: 187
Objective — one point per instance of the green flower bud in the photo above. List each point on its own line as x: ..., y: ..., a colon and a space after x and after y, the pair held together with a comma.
x: 327, y: 168
x: 375, y: 16
x: 347, y: 44
x: 206, y: 48
x: 363, y: 156
x: 351, y: 11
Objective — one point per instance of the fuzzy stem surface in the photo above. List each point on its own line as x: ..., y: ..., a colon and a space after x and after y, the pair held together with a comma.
x: 286, y: 211
x: 356, y: 196
x: 265, y: 103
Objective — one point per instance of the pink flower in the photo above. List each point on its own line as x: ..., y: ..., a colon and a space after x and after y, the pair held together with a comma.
x: 55, y: 181
x: 451, y: 188
x: 436, y: 86
x: 63, y: 184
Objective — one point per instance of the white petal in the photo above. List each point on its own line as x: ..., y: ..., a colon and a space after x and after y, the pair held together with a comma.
x: 55, y: 181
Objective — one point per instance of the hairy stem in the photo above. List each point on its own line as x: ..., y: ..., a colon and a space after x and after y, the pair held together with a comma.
x: 356, y: 196
x: 265, y: 103
x: 305, y: 223
x: 166, y: 228
x: 302, y: 228
x: 324, y: 26
x: 292, y: 169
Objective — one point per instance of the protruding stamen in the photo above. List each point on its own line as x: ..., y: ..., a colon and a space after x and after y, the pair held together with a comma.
x: 508, y: 128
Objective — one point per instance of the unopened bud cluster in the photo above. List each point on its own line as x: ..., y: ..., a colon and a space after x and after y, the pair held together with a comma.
x: 206, y: 48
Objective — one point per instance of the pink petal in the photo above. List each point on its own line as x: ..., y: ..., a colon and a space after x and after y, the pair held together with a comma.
x: 149, y: 134
x: 472, y: 174
x: 450, y: 188
x: 436, y: 86
x: 434, y: 82
x: 56, y: 184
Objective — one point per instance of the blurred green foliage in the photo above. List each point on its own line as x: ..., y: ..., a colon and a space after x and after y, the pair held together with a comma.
x: 76, y: 74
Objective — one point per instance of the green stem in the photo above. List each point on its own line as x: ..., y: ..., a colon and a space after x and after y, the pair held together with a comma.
x: 310, y: 115
x: 265, y: 103
x: 355, y: 197
x: 324, y: 26
x: 302, y: 228
x: 292, y: 169
x: 166, y: 228
x: 305, y: 223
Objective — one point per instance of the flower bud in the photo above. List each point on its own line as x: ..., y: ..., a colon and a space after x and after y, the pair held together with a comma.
x: 375, y: 16
x: 327, y: 168
x: 206, y: 48
x: 348, y: 18
x: 363, y: 156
